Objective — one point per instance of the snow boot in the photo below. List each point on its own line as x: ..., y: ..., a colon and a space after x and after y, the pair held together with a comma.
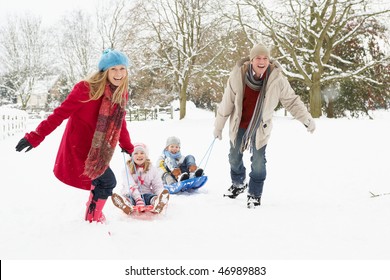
x: 195, y: 171
x: 122, y: 203
x: 199, y: 172
x: 253, y: 201
x: 168, y: 179
x: 160, y: 201
x: 184, y: 176
x: 235, y: 190
x: 192, y: 168
x: 94, y: 210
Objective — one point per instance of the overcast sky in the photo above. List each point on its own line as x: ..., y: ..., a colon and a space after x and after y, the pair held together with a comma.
x: 50, y: 11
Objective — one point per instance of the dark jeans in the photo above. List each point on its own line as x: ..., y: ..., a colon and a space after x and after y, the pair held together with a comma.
x: 188, y: 161
x: 258, y: 167
x: 171, y: 163
x: 104, y: 185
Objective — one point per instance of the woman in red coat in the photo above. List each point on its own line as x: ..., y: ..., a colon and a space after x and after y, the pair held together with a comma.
x: 95, y: 110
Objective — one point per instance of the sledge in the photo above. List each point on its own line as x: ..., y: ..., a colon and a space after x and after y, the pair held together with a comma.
x: 124, y: 204
x: 143, y: 213
x: 142, y: 209
x: 186, y: 185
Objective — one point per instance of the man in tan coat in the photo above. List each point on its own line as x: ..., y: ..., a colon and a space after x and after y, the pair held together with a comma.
x: 255, y: 87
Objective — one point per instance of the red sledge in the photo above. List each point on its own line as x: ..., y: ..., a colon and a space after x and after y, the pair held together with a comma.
x: 125, y: 205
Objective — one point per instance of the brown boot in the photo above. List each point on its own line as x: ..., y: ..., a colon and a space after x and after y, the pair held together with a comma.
x: 192, y: 168
x: 160, y: 201
x: 122, y: 203
x: 176, y: 172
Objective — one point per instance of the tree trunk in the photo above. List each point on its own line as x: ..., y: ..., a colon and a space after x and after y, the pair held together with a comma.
x: 315, y: 100
x: 183, y: 95
x: 24, y: 100
x: 183, y: 101
x: 330, y: 109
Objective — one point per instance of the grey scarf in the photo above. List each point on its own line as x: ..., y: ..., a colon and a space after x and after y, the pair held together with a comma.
x: 249, y: 137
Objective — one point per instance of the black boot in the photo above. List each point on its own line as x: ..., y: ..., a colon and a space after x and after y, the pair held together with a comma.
x: 184, y: 176
x: 236, y: 189
x: 198, y: 172
x: 253, y: 201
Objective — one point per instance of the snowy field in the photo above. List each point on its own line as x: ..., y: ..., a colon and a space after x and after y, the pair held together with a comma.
x: 316, y: 204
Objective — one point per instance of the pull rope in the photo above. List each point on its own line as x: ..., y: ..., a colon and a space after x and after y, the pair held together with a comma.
x: 127, y: 171
x: 208, y: 153
x: 138, y: 180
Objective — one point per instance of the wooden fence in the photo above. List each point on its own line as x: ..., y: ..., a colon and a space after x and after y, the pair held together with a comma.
x: 12, y: 121
x: 155, y: 113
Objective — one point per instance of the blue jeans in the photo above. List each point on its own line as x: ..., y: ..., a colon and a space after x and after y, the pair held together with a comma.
x: 188, y: 161
x: 258, y: 169
x: 104, y: 185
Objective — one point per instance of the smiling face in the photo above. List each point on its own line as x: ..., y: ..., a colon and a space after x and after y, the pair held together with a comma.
x: 259, y: 65
x: 139, y: 157
x: 173, y: 148
x: 117, y: 74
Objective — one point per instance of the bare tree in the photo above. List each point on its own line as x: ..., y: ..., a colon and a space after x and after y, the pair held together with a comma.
x: 179, y: 37
x: 114, y: 23
x: 23, y: 55
x: 305, y: 34
x: 77, y: 45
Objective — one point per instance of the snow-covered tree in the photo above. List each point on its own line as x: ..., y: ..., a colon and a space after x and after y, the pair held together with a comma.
x: 306, y: 33
x: 356, y: 96
x: 23, y: 54
x: 179, y: 36
x: 77, y: 45
x: 114, y: 22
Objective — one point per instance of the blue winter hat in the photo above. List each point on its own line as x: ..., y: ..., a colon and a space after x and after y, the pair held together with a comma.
x: 111, y: 58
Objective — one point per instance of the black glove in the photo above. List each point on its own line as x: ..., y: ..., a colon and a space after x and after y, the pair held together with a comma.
x: 23, y: 143
x: 124, y: 151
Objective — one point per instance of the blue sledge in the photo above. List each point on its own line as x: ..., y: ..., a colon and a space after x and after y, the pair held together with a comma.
x: 193, y: 183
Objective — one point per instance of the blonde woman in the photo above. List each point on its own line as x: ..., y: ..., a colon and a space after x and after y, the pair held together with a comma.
x: 95, y: 110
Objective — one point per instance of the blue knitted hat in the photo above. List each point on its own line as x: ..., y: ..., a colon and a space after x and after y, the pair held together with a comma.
x: 111, y: 58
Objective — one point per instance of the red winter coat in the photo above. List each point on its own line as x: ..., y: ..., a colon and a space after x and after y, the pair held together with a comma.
x: 77, y: 138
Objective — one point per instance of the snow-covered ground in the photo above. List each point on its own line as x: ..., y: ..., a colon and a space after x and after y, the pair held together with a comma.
x: 316, y: 205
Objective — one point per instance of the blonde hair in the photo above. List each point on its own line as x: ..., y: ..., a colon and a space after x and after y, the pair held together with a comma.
x: 97, y: 84
x: 131, y: 165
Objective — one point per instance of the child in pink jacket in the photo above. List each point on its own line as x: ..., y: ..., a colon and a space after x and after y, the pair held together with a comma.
x: 141, y: 185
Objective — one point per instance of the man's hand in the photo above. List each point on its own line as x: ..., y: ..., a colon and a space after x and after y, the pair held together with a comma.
x: 310, y: 125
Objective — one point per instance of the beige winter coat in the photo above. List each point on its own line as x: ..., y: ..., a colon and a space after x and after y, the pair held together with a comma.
x: 278, y: 89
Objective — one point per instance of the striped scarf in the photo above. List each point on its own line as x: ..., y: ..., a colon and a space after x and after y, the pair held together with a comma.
x: 106, y: 136
x: 249, y: 137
